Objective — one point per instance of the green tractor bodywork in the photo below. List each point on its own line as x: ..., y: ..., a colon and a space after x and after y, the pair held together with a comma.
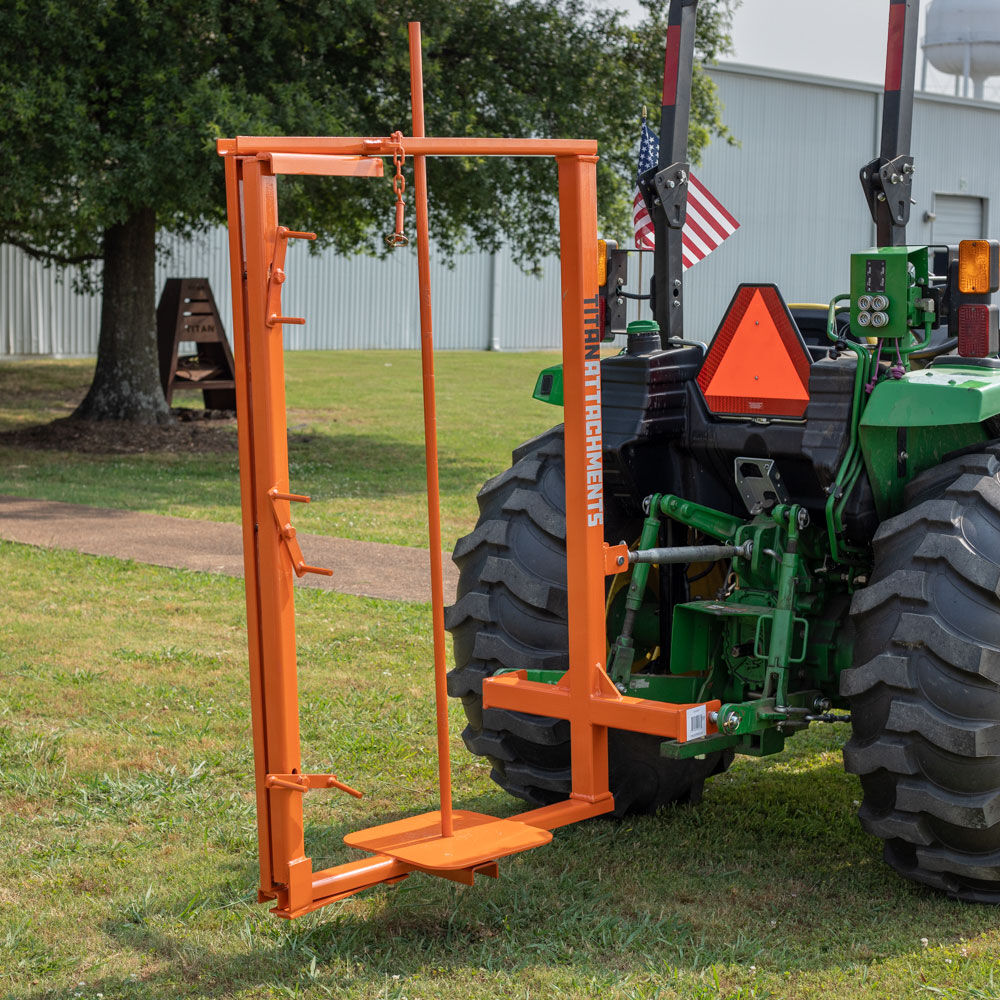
x: 910, y: 424
x: 549, y: 385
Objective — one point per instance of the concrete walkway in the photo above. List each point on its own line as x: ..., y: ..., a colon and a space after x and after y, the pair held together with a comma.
x: 392, y: 572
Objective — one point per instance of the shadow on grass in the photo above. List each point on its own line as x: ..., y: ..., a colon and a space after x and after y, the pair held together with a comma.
x: 373, y: 466
x: 771, y: 870
x: 45, y: 384
x: 332, y: 463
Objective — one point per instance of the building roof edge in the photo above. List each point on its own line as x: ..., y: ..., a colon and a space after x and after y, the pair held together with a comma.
x: 838, y: 83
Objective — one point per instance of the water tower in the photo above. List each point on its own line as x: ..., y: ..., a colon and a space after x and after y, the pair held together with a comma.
x: 962, y: 38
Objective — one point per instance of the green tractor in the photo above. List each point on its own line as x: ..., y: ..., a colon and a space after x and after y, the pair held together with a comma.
x: 812, y: 521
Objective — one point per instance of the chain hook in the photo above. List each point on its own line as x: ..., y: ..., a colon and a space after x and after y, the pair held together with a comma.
x: 396, y: 238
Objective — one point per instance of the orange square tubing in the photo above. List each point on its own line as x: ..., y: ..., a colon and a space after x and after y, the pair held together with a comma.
x: 430, y: 437
x: 584, y: 453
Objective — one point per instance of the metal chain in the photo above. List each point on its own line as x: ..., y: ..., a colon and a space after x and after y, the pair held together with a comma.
x: 396, y: 238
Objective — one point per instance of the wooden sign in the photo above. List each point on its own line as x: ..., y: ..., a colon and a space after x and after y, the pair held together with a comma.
x: 187, y: 313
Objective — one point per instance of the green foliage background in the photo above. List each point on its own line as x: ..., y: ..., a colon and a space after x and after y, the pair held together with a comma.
x: 112, y: 106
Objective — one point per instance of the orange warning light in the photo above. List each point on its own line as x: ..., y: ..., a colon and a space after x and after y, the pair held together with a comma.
x: 602, y: 260
x: 978, y: 267
x: 757, y: 364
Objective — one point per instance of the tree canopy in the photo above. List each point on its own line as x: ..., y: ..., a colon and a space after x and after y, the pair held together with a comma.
x: 112, y: 108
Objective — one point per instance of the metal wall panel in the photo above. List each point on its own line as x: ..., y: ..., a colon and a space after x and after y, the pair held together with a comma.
x: 355, y: 302
x: 40, y: 314
x: 792, y: 183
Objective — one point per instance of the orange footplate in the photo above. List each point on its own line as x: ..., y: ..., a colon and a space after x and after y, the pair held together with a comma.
x: 477, y: 838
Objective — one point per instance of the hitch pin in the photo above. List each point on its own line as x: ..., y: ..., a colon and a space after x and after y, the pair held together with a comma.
x: 690, y: 554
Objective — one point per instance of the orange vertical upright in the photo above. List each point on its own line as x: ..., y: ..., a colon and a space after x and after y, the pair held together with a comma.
x: 584, y: 518
x: 275, y: 625
x: 241, y: 349
x: 430, y: 436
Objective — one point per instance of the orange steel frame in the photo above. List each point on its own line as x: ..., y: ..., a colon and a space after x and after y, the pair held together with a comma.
x: 452, y: 844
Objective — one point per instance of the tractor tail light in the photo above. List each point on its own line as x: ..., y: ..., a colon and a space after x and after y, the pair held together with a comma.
x: 978, y: 330
x: 978, y: 267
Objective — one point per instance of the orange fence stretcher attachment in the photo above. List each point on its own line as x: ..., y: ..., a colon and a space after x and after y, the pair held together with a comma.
x: 451, y: 844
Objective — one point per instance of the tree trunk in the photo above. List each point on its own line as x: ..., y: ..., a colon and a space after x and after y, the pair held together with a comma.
x: 126, y: 382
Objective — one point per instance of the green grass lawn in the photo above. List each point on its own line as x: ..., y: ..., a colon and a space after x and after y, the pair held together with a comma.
x: 127, y: 821
x: 127, y: 826
x: 355, y: 423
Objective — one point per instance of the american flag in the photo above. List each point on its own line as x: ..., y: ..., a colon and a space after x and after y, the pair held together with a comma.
x: 707, y: 223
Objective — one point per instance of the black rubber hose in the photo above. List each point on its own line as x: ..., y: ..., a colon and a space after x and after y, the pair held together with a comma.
x: 932, y: 352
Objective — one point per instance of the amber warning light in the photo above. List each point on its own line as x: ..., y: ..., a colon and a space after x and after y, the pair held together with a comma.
x: 978, y: 267
x: 602, y: 260
x: 757, y: 364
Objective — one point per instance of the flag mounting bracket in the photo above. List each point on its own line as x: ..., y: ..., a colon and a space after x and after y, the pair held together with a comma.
x: 672, y: 188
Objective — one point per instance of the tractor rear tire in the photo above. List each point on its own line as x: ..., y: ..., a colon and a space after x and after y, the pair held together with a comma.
x: 511, y: 612
x: 925, y: 688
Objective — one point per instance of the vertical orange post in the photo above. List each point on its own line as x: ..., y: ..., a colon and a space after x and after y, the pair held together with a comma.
x: 270, y: 605
x: 241, y: 348
x: 584, y: 469
x: 430, y: 434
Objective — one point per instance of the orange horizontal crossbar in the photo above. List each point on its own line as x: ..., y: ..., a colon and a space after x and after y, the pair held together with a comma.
x: 323, y: 165
x: 343, y: 881
x: 604, y: 708
x: 252, y: 145
x: 573, y: 810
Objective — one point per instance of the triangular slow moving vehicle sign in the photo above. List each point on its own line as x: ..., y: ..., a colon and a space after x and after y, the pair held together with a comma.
x: 757, y: 364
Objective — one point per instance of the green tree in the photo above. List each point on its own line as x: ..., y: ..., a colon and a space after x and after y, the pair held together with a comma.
x: 111, y: 109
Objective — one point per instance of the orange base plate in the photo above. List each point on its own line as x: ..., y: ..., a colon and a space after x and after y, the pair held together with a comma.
x: 477, y: 838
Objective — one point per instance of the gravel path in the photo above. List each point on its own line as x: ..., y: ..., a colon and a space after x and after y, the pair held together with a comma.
x: 371, y: 569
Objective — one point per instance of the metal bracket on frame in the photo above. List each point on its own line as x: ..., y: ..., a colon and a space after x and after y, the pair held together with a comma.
x: 276, y: 277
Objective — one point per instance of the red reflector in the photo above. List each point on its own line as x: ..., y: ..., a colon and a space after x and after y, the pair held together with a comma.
x: 757, y: 364
x: 976, y: 330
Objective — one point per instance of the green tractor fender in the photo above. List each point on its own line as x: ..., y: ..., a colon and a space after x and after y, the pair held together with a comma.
x: 549, y: 385
x: 911, y: 423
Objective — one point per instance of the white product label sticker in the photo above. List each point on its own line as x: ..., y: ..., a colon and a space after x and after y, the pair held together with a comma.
x: 696, y: 722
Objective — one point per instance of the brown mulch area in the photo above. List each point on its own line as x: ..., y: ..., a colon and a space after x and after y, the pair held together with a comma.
x: 199, y: 435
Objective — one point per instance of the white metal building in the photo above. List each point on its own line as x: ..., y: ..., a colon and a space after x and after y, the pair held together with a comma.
x: 792, y: 183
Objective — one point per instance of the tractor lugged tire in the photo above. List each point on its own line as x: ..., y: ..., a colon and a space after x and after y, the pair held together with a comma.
x: 925, y: 691
x: 511, y: 612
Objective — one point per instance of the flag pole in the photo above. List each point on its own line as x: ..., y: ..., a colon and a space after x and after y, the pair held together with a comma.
x: 638, y: 302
